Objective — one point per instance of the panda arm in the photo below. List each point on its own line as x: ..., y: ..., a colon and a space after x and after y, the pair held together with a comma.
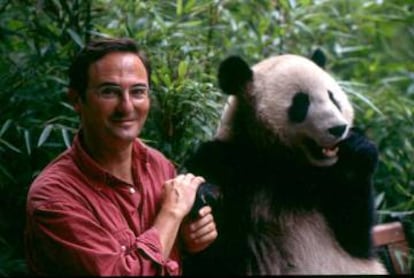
x: 349, y: 205
x: 359, y: 153
x: 214, y: 161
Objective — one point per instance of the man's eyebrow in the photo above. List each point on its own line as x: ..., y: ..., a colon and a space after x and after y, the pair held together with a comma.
x: 104, y: 84
x: 140, y: 85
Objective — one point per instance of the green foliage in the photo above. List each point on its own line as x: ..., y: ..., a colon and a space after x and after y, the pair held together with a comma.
x: 34, y: 118
x: 369, y: 45
x: 185, y: 100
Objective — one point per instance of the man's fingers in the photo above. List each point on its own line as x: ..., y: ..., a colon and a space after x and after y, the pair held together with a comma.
x: 188, y: 180
x: 204, y: 211
x: 203, y: 232
x: 200, y: 222
x: 179, y: 179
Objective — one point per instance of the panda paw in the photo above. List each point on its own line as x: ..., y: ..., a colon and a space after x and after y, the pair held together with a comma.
x: 207, y: 194
x: 358, y: 151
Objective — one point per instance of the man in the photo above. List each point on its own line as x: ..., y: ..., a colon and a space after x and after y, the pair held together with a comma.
x: 110, y: 205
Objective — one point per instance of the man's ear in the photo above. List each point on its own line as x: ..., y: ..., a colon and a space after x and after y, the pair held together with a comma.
x: 74, y: 99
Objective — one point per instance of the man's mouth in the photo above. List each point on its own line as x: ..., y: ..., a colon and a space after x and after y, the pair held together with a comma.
x: 124, y: 122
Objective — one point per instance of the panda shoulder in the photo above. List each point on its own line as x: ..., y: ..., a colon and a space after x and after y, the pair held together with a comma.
x: 211, y: 152
x: 213, y: 160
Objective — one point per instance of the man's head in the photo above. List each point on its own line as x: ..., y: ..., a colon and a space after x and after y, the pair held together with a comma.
x: 109, y: 88
x: 95, y: 50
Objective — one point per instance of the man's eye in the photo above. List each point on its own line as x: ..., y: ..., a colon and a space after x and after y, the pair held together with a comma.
x: 109, y: 92
x: 138, y: 92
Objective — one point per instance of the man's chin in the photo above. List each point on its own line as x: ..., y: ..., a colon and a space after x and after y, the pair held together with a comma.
x: 127, y: 136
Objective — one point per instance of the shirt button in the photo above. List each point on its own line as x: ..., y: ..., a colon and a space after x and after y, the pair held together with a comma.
x: 131, y: 190
x: 123, y: 248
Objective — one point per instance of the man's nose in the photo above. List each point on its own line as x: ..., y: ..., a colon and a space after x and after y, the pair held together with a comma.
x: 125, y: 102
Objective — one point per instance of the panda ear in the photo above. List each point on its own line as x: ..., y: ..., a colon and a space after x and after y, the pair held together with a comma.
x: 233, y: 75
x: 319, y: 58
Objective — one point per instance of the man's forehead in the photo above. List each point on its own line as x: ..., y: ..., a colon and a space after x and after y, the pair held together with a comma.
x: 119, y: 63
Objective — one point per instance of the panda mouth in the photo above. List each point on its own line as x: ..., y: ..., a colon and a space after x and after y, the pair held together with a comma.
x: 330, y: 152
x: 320, y: 152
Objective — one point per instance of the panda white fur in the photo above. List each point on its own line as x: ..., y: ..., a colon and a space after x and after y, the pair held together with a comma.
x: 295, y: 177
x: 280, y: 84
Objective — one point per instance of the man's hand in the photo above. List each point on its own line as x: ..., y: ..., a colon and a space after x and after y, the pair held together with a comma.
x: 177, y: 200
x: 198, y: 234
x: 179, y: 194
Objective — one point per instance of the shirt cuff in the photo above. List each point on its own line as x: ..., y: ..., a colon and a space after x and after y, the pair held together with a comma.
x: 149, y: 243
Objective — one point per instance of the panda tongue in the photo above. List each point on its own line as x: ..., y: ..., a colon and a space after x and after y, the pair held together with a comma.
x: 330, y: 152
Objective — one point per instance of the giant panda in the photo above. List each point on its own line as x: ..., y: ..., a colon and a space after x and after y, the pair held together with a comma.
x: 294, y: 175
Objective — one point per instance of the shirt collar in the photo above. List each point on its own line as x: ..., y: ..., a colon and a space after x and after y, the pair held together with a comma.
x: 94, y: 171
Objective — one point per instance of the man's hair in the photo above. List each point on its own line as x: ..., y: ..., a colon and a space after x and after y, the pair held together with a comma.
x: 94, y: 51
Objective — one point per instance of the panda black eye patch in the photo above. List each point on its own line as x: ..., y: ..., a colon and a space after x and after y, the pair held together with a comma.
x: 299, y: 108
x: 331, y: 97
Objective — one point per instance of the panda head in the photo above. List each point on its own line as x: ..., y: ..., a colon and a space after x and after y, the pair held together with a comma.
x: 291, y: 97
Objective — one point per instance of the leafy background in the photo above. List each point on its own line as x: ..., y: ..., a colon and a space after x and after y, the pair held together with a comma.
x: 369, y: 45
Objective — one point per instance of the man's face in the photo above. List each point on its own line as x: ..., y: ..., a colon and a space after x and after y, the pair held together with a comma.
x: 117, y: 101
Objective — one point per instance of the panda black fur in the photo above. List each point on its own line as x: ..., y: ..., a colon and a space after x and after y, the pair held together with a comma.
x: 295, y: 178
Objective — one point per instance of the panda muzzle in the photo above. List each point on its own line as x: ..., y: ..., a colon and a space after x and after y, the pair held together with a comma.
x: 319, y: 151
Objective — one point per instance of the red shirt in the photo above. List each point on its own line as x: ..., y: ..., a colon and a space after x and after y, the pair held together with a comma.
x: 81, y: 220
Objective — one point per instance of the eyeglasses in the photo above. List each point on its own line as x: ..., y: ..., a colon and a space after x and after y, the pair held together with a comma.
x: 111, y: 92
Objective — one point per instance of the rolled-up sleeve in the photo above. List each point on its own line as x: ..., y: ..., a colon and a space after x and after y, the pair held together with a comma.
x: 150, y: 245
x: 65, y: 239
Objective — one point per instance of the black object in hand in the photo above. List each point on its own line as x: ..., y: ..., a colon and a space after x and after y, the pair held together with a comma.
x: 207, y: 194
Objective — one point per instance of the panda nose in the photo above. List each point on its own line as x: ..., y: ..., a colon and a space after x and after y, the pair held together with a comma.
x: 338, y: 130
